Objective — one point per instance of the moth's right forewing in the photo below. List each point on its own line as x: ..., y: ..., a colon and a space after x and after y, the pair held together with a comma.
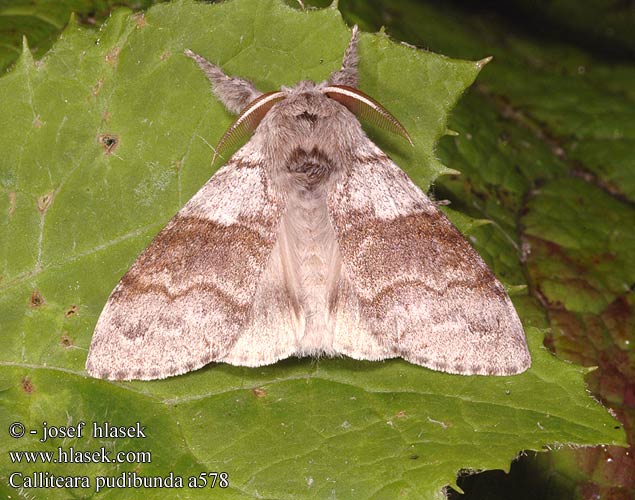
x: 423, y: 292
x: 188, y: 297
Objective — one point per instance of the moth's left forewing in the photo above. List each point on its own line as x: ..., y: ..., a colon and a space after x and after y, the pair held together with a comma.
x: 423, y: 292
x: 190, y: 295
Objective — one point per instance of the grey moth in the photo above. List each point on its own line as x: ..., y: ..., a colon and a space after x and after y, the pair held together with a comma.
x: 309, y: 241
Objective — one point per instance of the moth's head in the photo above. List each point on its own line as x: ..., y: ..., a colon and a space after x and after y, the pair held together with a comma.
x: 306, y: 109
x: 302, y: 110
x: 304, y: 103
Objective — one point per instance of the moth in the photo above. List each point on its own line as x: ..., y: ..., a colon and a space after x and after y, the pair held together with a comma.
x: 309, y: 241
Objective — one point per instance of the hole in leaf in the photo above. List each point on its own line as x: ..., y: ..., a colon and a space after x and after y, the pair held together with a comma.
x: 27, y: 385
x: 12, y: 195
x: 36, y: 299
x: 139, y: 19
x: 66, y: 341
x: 109, y: 142
x: 44, y: 202
x: 258, y: 392
x: 113, y: 56
x: 71, y: 311
x: 97, y: 87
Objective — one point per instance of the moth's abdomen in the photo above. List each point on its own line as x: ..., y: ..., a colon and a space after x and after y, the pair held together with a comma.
x: 314, y: 261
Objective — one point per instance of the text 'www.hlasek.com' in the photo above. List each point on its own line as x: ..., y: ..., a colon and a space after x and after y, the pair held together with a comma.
x: 60, y: 464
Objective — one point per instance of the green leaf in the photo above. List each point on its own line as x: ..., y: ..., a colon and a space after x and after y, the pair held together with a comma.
x: 42, y: 20
x: 105, y: 139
